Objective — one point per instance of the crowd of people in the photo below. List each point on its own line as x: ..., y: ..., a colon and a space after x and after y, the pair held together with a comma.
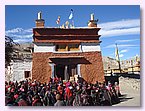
x: 60, y: 93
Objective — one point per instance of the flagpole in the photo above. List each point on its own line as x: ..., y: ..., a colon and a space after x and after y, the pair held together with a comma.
x: 117, y: 58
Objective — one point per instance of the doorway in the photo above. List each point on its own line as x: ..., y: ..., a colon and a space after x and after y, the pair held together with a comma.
x: 72, y: 70
x: 59, y: 71
x: 65, y: 71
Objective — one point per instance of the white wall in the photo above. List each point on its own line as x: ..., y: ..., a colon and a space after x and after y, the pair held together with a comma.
x: 44, y: 47
x: 49, y: 47
x: 17, y: 70
x: 87, y: 47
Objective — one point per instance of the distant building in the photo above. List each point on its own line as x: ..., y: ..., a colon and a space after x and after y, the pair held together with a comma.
x: 67, y: 52
x: 21, y: 65
x: 131, y: 65
x: 134, y: 68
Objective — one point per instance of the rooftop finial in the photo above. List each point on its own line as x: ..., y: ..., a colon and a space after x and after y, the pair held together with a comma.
x: 92, y: 16
x: 39, y: 15
x: 39, y: 21
x: 92, y: 22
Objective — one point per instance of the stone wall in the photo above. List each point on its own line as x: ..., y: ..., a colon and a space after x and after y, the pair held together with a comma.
x: 94, y: 71
x: 40, y: 67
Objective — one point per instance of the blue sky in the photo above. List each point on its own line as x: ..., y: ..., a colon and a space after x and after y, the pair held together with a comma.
x: 119, y: 24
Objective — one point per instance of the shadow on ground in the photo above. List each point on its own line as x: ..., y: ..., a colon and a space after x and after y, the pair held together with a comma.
x: 123, y: 98
x: 135, y: 76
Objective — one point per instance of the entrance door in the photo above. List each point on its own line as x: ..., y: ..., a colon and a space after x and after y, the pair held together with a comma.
x: 59, y: 71
x: 65, y: 71
x: 72, y: 70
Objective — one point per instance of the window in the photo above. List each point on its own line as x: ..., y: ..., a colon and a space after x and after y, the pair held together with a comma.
x: 61, y: 47
x: 67, y: 47
x: 27, y: 74
x: 73, y: 47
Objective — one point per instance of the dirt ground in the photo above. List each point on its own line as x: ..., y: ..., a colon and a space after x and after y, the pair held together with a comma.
x: 130, y: 90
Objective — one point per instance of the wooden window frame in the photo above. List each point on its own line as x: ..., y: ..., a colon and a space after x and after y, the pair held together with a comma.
x: 68, y: 47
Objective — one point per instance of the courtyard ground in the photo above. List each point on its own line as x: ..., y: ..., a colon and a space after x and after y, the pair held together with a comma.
x: 130, y: 90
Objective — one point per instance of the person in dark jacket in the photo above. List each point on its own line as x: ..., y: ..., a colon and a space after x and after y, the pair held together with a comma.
x: 37, y: 101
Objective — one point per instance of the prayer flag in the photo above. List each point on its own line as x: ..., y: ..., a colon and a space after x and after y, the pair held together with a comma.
x: 58, y: 20
x: 71, y: 14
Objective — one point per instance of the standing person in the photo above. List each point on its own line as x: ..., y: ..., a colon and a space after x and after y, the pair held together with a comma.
x: 59, y: 101
x: 117, y: 89
x: 49, y: 98
x: 60, y: 89
x: 37, y: 101
x: 68, y: 95
x: 106, y: 98
x: 94, y: 97
x: 97, y: 84
x: 114, y: 97
x: 85, y: 98
x: 77, y: 100
x: 22, y: 101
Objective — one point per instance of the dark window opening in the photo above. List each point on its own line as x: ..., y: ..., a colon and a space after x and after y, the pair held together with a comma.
x: 27, y: 74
